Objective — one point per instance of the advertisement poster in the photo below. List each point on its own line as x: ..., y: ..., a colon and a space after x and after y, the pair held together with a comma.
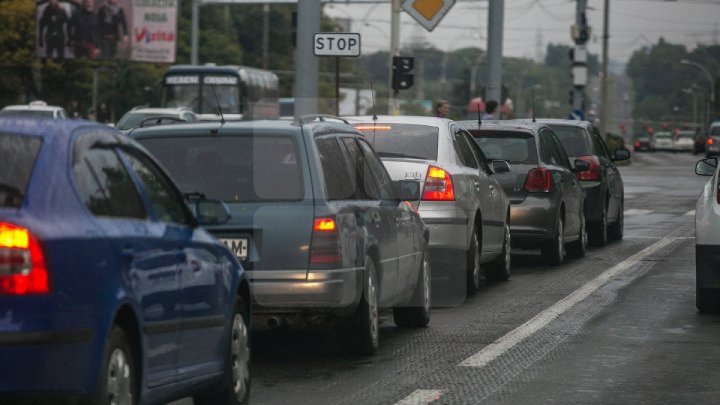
x: 140, y: 30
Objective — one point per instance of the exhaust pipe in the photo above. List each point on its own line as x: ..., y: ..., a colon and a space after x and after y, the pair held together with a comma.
x: 273, y: 322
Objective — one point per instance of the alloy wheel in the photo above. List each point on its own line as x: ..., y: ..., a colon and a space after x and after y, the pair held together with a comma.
x: 119, y: 379
x: 240, y: 352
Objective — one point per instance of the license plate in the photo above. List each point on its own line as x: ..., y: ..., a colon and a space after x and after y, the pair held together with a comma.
x: 239, y: 247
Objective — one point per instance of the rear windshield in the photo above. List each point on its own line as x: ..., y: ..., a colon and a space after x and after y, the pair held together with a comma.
x: 405, y: 141
x: 133, y: 120
x: 232, y: 168
x: 17, y: 158
x: 515, y: 147
x: 27, y: 113
x: 687, y: 136
x: 663, y: 136
x: 573, y: 139
x: 715, y: 131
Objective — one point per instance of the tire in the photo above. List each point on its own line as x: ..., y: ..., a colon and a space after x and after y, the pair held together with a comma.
x: 473, y: 265
x: 118, y: 381
x: 365, y: 328
x: 616, y: 230
x: 598, y: 230
x: 417, y: 313
x: 578, y: 248
x: 234, y: 387
x: 499, y: 269
x: 707, y: 300
x: 553, y: 251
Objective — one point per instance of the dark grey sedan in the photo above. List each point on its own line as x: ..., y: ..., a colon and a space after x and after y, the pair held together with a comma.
x: 547, y: 200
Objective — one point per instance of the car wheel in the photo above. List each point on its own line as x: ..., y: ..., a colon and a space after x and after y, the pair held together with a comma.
x: 616, y: 230
x: 578, y: 248
x: 553, y: 251
x: 366, y: 322
x: 598, y: 230
x: 499, y: 269
x: 473, y: 265
x: 234, y: 387
x: 417, y: 313
x: 118, y: 377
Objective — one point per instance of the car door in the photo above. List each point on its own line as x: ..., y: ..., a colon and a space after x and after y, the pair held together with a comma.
x: 379, y: 218
x: 146, y: 268
x: 204, y: 287
x: 614, y: 182
x: 408, y: 253
x: 572, y: 187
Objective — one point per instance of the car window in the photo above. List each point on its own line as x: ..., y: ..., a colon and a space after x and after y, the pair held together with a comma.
x: 477, y: 152
x: 598, y: 144
x: 339, y: 184
x: 558, y: 151
x: 715, y: 131
x: 105, y: 186
x: 17, y: 159
x: 573, y: 139
x: 366, y: 187
x: 234, y: 168
x: 378, y: 169
x: 405, y: 141
x: 546, y: 149
x: 463, y: 150
x: 167, y: 202
x: 512, y: 146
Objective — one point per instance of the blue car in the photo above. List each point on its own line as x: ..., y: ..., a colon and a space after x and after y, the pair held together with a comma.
x: 109, y: 289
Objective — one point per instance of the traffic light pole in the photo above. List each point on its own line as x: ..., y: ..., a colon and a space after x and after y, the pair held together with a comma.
x: 394, y: 51
x: 306, y: 63
x: 495, y: 40
x: 579, y: 55
x: 605, y: 117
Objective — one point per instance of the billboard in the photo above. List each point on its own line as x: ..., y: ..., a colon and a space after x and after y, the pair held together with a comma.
x: 140, y: 30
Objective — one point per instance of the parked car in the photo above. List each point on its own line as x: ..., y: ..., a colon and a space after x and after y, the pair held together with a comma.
x: 699, y: 143
x: 109, y: 289
x: 547, y: 208
x: 684, y: 141
x: 642, y: 143
x: 662, y: 141
x: 707, y: 238
x: 712, y: 146
x: 315, y: 220
x: 141, y: 116
x: 36, y: 109
x: 603, y: 185
x: 463, y: 204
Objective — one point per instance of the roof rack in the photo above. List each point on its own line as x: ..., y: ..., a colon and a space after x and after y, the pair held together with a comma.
x: 304, y: 119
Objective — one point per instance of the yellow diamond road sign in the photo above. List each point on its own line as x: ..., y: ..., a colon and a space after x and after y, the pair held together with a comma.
x: 427, y: 12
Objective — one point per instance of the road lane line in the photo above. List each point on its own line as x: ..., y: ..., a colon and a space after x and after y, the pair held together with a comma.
x: 421, y: 397
x: 689, y: 213
x: 512, y: 338
x: 634, y: 211
x: 658, y: 237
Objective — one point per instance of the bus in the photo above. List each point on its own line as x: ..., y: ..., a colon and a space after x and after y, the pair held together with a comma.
x: 243, y: 93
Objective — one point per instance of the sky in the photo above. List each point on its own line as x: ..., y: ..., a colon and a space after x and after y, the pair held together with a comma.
x: 531, y: 24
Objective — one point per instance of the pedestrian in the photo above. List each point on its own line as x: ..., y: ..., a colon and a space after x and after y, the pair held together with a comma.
x: 111, y: 21
x: 442, y: 108
x: 73, y: 109
x: 83, y: 31
x: 53, y: 26
x: 490, y: 107
x: 103, y: 113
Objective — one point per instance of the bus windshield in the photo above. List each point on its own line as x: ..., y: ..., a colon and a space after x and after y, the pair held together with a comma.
x: 196, y: 92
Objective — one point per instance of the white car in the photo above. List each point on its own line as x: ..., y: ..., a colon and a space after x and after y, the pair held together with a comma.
x: 707, y: 239
x: 662, y: 141
x: 684, y: 141
x: 36, y: 109
x: 139, y: 116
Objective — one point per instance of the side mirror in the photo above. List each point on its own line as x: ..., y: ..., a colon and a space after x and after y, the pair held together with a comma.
x: 211, y: 212
x: 499, y: 166
x: 581, y: 166
x: 406, y: 190
x: 621, y: 154
x: 706, y: 167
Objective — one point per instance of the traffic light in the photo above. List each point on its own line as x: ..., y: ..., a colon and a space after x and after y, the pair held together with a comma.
x: 402, y: 78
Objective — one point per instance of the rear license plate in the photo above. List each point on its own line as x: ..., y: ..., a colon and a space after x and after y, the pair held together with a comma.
x: 239, y: 247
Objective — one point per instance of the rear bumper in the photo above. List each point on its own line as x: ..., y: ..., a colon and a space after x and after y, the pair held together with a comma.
x: 293, y: 291
x: 533, y: 220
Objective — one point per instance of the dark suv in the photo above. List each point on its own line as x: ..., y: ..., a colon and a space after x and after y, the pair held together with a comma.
x: 602, y: 183
x: 315, y: 220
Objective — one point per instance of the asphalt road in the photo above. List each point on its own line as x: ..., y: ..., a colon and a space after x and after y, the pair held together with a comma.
x: 618, y: 326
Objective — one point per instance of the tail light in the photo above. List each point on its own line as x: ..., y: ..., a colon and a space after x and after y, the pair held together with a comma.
x: 22, y: 263
x: 637, y: 144
x: 438, y: 185
x: 325, y: 244
x: 594, y: 172
x: 538, y: 180
x: 710, y: 141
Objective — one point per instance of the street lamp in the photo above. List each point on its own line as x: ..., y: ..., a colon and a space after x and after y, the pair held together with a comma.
x: 707, y: 72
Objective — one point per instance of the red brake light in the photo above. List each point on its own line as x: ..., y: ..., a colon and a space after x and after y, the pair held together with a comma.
x: 438, y: 185
x: 637, y: 144
x: 22, y: 263
x: 593, y: 173
x: 324, y: 225
x: 538, y: 180
x: 710, y: 141
x: 325, y: 252
x: 373, y: 128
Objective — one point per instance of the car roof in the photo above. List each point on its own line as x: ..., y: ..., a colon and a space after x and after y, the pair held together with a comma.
x: 212, y: 127
x: 559, y: 121
x: 160, y: 110
x: 45, y: 128
x: 25, y: 107
x: 399, y: 119
x: 508, y: 125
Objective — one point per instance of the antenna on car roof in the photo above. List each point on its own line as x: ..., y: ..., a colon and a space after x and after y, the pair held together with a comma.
x: 372, y: 92
x: 532, y: 91
x: 479, y: 116
x: 217, y: 102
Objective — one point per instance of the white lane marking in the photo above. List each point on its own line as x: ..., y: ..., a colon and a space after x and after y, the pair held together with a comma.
x: 634, y: 211
x: 689, y: 213
x: 421, y: 397
x: 658, y: 237
x: 512, y: 338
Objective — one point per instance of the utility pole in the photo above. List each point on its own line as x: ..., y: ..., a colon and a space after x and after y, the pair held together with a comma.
x: 306, y: 63
x: 194, y: 26
x: 394, y: 51
x: 605, y: 117
x: 266, y: 35
x: 580, y: 34
x: 494, y: 58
